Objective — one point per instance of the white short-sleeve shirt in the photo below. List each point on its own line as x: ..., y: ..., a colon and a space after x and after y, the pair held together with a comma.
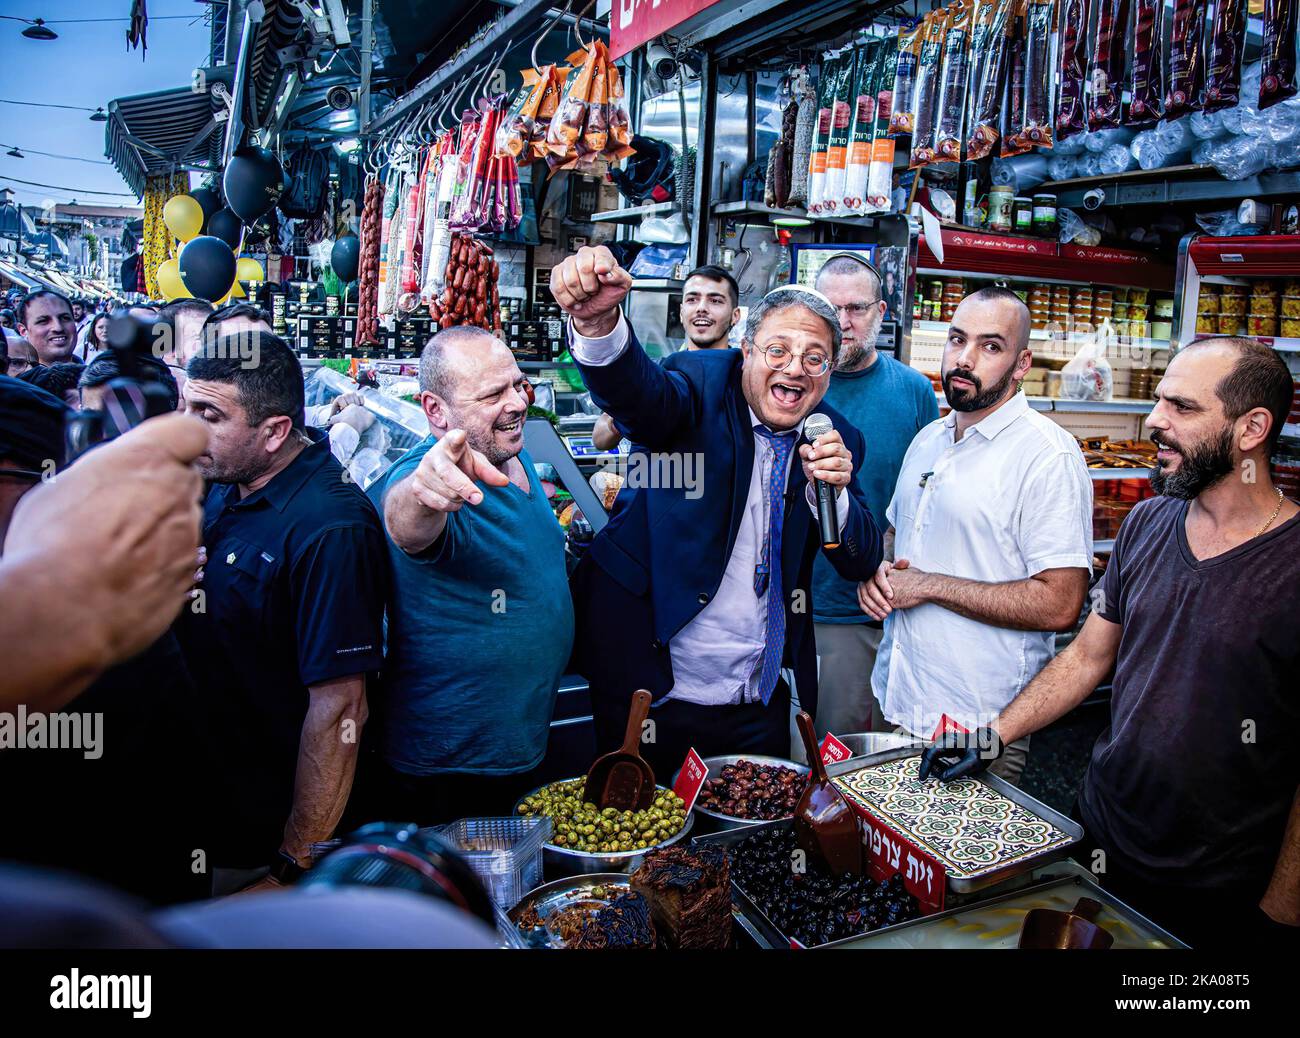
x: 1011, y: 498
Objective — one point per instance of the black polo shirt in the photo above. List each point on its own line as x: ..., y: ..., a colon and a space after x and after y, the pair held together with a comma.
x: 294, y: 594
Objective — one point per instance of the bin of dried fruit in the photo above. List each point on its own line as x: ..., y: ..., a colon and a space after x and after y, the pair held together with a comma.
x: 743, y: 789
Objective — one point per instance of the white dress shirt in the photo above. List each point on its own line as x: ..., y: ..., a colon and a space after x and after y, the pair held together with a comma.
x: 717, y: 656
x: 1011, y: 498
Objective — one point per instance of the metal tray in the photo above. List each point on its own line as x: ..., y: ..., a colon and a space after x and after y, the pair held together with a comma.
x: 754, y: 920
x: 560, y: 861
x: 996, y: 874
x: 1057, y: 885
x: 714, y: 821
x: 560, y: 894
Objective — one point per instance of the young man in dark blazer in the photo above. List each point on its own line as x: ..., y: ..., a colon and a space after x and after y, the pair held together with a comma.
x: 698, y: 589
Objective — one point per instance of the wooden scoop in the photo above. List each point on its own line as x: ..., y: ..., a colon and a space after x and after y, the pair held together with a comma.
x: 825, y: 825
x: 622, y: 779
x: 1048, y: 928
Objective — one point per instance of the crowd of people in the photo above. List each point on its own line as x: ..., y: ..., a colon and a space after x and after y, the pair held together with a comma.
x: 314, y: 655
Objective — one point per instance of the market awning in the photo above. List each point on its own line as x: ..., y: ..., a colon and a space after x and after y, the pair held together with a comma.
x: 155, y: 133
x: 18, y: 277
x: 9, y: 221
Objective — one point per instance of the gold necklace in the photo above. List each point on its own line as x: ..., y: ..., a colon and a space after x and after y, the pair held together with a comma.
x: 1276, y: 510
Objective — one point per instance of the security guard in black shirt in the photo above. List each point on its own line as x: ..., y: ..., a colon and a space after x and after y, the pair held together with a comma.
x: 288, y: 619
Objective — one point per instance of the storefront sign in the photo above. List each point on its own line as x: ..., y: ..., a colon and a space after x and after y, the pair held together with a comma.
x: 634, y: 22
x: 833, y: 751
x: 690, y: 780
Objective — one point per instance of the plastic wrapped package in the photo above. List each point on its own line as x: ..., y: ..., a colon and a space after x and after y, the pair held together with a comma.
x: 1087, y: 376
x: 1202, y: 153
x: 831, y: 75
x: 839, y: 133
x: 1118, y: 158
x: 881, y: 178
x: 1039, y: 114
x: 1022, y: 172
x: 1074, y: 230
x: 902, y: 119
x: 1278, y: 75
x: 1061, y: 167
x: 1012, y: 114
x: 988, y: 83
x: 1186, y: 57
x: 1286, y: 154
x: 1284, y: 126
x: 1070, y: 146
x: 805, y: 126
x: 1232, y: 120
x: 1106, y: 69
x: 1146, y: 80
x: 1207, y: 126
x: 1223, y: 79
x: 1071, y: 114
x: 1089, y: 165
x: 1175, y: 135
x: 1237, y: 158
x: 1153, y: 152
x: 864, y: 100
x: 954, y: 75
x: 925, y: 95
x: 1097, y: 141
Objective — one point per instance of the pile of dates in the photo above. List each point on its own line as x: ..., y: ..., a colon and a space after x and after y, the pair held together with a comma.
x: 764, y: 792
x: 813, y: 906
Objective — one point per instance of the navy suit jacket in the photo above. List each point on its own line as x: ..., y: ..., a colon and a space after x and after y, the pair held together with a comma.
x: 661, y: 558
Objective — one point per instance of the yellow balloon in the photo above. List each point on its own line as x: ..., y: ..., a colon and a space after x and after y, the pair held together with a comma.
x: 183, y: 216
x: 237, y: 291
x: 169, y: 280
x: 248, y: 269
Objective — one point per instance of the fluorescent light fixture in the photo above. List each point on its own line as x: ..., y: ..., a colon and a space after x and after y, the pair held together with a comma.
x: 348, y: 145
x: 791, y: 221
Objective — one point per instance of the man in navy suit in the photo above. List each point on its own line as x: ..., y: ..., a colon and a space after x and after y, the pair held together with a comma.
x: 698, y: 589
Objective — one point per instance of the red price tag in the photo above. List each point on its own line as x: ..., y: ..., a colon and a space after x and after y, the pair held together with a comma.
x: 946, y: 725
x: 887, y: 853
x: 833, y: 751
x: 691, y: 779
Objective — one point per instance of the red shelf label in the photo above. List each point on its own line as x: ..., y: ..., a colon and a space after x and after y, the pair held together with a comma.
x: 691, y: 779
x: 833, y: 751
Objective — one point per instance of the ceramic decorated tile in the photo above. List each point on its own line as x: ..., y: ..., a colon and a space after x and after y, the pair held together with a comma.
x: 970, y: 827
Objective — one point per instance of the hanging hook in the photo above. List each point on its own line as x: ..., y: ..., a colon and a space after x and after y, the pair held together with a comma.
x: 493, y: 63
x: 568, y: 4
x: 577, y: 23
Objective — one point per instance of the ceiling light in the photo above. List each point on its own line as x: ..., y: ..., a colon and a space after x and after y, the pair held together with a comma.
x: 38, y: 30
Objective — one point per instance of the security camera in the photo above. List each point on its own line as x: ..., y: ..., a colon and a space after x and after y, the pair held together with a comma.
x: 661, y: 61
x: 339, y: 98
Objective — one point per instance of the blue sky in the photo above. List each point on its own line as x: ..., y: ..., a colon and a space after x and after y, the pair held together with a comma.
x: 88, y: 65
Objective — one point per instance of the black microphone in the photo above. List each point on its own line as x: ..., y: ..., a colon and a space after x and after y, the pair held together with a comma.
x: 827, y: 518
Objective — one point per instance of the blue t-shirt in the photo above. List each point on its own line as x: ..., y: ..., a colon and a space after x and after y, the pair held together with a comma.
x: 889, y: 403
x: 479, y: 632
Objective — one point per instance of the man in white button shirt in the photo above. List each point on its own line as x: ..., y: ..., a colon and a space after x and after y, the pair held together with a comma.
x: 700, y: 590
x: 990, y: 542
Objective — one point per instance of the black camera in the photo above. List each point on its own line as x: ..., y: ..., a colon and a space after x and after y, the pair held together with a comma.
x: 128, y: 399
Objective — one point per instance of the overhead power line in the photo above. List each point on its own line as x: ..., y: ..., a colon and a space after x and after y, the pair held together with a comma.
x: 55, y: 155
x: 74, y: 190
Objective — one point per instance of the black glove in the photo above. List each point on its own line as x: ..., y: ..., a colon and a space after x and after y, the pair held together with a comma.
x: 970, y: 754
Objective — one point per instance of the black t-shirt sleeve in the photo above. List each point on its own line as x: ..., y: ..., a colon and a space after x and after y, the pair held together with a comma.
x: 339, y: 586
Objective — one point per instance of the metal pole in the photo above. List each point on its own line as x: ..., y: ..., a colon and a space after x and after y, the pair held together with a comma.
x: 253, y: 16
x: 367, y: 41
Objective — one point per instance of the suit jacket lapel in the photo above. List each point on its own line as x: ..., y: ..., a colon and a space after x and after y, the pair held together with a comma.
x: 793, y: 528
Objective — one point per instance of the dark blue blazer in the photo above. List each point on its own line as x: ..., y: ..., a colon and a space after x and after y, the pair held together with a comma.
x: 661, y: 558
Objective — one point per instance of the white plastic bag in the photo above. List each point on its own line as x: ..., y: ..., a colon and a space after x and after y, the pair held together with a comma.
x: 1087, y: 376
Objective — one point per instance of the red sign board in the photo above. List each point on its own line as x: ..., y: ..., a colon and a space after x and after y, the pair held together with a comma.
x: 947, y: 724
x: 833, y: 751
x: 634, y: 22
x: 690, y: 780
x: 888, y: 852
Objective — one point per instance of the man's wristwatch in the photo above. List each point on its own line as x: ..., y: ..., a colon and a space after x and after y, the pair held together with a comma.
x: 285, y: 869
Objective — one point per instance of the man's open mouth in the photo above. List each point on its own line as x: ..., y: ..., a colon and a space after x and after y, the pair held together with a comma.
x: 787, y: 394
x: 511, y: 427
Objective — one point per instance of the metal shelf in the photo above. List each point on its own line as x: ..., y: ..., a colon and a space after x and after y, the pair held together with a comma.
x: 1120, y: 473
x: 1173, y: 185
x: 749, y: 208
x: 633, y: 214
x: 1098, y: 406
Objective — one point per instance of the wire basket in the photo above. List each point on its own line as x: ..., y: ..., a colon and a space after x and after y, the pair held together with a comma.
x: 505, y: 853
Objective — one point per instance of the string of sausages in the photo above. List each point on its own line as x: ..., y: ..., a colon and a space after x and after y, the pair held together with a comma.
x: 470, y: 293
x: 368, y: 273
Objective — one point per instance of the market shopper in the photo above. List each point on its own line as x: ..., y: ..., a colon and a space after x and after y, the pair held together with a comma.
x: 890, y: 403
x: 179, y: 333
x: 93, y: 338
x: 292, y: 608
x: 61, y: 379
x: 45, y: 320
x: 480, y: 624
x: 1193, y: 789
x: 989, y: 548
x: 701, y: 593
x: 106, y: 367
x: 21, y: 357
x: 710, y: 308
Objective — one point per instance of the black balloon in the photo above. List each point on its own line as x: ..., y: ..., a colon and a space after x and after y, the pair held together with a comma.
x: 345, y: 257
x: 207, y: 267
x: 225, y: 225
x: 209, y: 200
x: 253, y: 182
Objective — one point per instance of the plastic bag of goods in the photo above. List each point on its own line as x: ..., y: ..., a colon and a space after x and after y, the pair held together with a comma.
x: 902, y: 119
x: 1206, y: 126
x: 1022, y: 172
x: 1175, y: 134
x: 1074, y: 230
x: 1118, y: 158
x: 1151, y: 152
x: 881, y: 178
x: 1278, y: 72
x: 1038, y: 110
x: 1087, y: 376
x: 1106, y: 68
x: 1237, y: 158
x: 1186, y: 57
x: 988, y: 75
x: 925, y: 96
x: 1061, y: 167
x: 1098, y: 141
x: 1223, y: 80
x: 1071, y: 113
x: 1146, y: 81
x: 950, y: 105
x: 864, y: 101
x: 843, y: 103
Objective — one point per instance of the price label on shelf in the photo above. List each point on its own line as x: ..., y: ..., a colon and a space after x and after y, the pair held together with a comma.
x: 888, y: 853
x: 833, y: 751
x: 691, y: 779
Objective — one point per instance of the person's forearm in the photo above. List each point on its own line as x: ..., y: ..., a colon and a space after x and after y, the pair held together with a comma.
x: 888, y: 544
x: 1021, y: 605
x: 327, y: 761
x: 411, y: 526
x: 1059, y: 687
x: 1281, y: 902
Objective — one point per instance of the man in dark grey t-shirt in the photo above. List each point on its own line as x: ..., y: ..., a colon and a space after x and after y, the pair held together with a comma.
x: 1191, y: 792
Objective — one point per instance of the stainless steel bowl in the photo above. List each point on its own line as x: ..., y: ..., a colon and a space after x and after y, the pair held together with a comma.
x: 713, y: 821
x: 561, y: 861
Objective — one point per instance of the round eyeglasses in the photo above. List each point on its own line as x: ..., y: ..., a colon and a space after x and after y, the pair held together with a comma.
x: 778, y: 358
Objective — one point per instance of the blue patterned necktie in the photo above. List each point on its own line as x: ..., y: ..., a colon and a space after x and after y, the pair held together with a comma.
x: 767, y: 574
